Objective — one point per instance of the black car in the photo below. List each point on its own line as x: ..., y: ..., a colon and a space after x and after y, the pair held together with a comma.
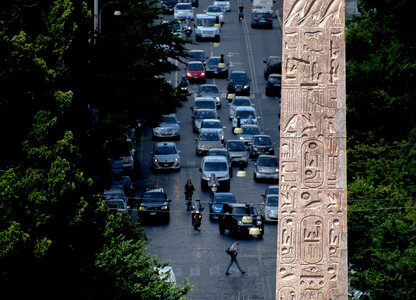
x: 273, y: 66
x: 213, y: 68
x: 168, y: 6
x: 261, y: 144
x: 154, y: 203
x: 239, y: 83
x: 240, y: 218
x: 274, y: 85
x: 261, y: 19
x: 195, y: 3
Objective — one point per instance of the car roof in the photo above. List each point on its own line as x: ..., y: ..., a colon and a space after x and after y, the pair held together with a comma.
x: 196, y: 51
x: 239, y: 72
x: 195, y: 62
x: 211, y: 120
x: 237, y: 204
x: 250, y: 125
x: 214, y: 158
x: 208, y: 84
x: 205, y: 16
x: 153, y: 190
x: 238, y: 141
x: 267, y: 156
x: 275, y: 75
x: 204, y: 98
x: 218, y: 150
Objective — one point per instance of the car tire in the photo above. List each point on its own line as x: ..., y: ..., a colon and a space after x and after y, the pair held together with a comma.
x: 255, y: 177
x: 222, y: 229
x: 217, y: 39
x: 267, y: 92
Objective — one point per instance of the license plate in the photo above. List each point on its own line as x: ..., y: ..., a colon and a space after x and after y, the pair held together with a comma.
x: 153, y: 214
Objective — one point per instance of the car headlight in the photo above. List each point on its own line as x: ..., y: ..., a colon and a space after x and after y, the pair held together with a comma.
x: 245, y: 87
x: 270, y: 149
x: 202, y: 74
x: 142, y: 208
x: 259, y: 222
x: 176, y: 159
x: 188, y: 74
x: 155, y: 160
x: 277, y: 170
x: 255, y: 149
x: 239, y: 223
x: 218, y: 99
x: 241, y: 138
x: 164, y: 207
x: 269, y: 211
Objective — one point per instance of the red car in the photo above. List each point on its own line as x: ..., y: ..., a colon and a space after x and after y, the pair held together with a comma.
x: 195, y: 72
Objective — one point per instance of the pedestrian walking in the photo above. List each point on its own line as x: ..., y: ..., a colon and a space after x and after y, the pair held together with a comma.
x: 233, y: 252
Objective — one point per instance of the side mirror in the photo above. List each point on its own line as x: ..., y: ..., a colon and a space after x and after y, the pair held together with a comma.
x: 263, y: 195
x: 265, y: 61
x: 200, y: 170
x: 179, y: 122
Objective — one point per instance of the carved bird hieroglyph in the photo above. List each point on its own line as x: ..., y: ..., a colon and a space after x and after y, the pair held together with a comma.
x: 296, y: 9
x: 330, y: 9
x: 312, y: 11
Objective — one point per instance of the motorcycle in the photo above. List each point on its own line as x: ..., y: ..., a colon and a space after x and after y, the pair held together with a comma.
x: 196, y: 215
x: 213, y: 184
x: 240, y: 16
x: 188, y: 199
x: 183, y: 86
x: 188, y: 27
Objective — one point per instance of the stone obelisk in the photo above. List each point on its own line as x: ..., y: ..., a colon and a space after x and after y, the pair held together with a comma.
x: 312, y: 228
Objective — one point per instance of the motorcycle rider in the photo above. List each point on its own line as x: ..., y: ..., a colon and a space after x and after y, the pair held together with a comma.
x: 241, y: 12
x: 196, y: 214
x: 184, y: 82
x: 213, y: 183
x: 189, y: 190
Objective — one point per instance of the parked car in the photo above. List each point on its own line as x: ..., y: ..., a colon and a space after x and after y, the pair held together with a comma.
x: 168, y: 127
x: 212, y: 125
x: 266, y: 167
x: 195, y: 72
x: 273, y: 65
x: 154, y: 203
x: 239, y: 101
x: 224, y: 4
x: 274, y: 85
x: 114, y: 193
x: 217, y: 202
x: 238, y: 152
x: 240, y: 218
x: 118, y: 205
x: 121, y: 157
x: 216, y: 11
x: 175, y: 26
x: 200, y: 115
x: 197, y: 55
x: 261, y: 144
x: 165, y: 156
x: 126, y: 183
x: 217, y: 165
x: 212, y: 91
x: 261, y: 18
x: 247, y: 133
x: 244, y: 115
x: 183, y: 11
x: 239, y: 83
x: 214, y: 69
x: 269, y: 208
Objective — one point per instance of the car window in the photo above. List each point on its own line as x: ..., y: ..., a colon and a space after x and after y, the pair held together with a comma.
x: 215, y: 166
x: 267, y: 161
x: 184, y: 6
x: 214, y: 9
x: 196, y: 67
x: 272, y: 190
x: 236, y: 146
x: 153, y: 197
x: 169, y: 119
x: 245, y: 211
x: 214, y: 61
x: 210, y: 137
x: 224, y: 199
x: 264, y: 141
x: 272, y: 201
x: 205, y: 104
x: 208, y: 22
x: 239, y: 77
x: 211, y: 124
x: 245, y: 114
x: 241, y: 102
x: 205, y: 115
x: 251, y: 130
x: 275, y: 79
x: 165, y: 150
x: 199, y: 55
x: 209, y: 89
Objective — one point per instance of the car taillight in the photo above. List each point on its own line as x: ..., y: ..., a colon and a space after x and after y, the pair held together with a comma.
x: 255, y: 18
x: 269, y: 19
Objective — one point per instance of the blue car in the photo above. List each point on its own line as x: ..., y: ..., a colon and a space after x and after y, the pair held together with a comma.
x: 217, y: 201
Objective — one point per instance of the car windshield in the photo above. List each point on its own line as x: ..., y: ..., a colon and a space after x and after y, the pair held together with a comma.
x: 206, y: 22
x: 125, y: 180
x: 228, y: 198
x: 209, y: 89
x: 206, y: 114
x: 263, y: 140
x: 274, y: 61
x: 198, y: 55
x: 153, y: 197
x: 267, y: 161
x: 239, y: 77
x: 245, y: 211
x: 272, y: 201
x: 214, y: 61
x: 115, y: 203
x: 215, y: 9
x: 165, y: 150
x: 273, y: 190
x: 251, y: 130
x: 113, y: 196
x: 241, y: 102
x: 195, y: 67
x: 211, y: 124
x: 245, y: 114
x: 205, y: 104
x: 208, y: 136
x: 169, y: 119
x: 236, y: 146
x: 175, y: 26
x: 275, y: 80
x: 217, y: 153
x: 170, y: 1
x: 215, y: 166
x: 184, y: 6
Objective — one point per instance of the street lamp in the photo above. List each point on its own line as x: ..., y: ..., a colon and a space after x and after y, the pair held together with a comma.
x: 98, y: 12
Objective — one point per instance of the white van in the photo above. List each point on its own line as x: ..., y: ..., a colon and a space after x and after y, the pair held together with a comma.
x: 206, y: 29
x: 263, y: 4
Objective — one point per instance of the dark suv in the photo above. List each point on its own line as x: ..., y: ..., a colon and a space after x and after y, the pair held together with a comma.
x: 273, y: 66
x: 168, y: 5
x: 154, y: 203
x: 240, y: 218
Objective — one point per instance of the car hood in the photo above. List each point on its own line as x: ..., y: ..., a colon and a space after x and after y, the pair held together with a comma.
x: 218, y: 174
x: 266, y: 169
x: 167, y: 126
x: 153, y: 204
x: 237, y: 153
x: 273, y: 209
x: 166, y: 158
x: 246, y: 137
x: 211, y: 144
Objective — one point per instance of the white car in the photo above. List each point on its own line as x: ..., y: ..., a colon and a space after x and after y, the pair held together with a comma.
x: 165, y: 156
x: 216, y: 11
x: 266, y: 167
x: 183, y: 11
x: 217, y: 165
x: 239, y: 101
x: 212, y: 125
x: 167, y: 128
x: 206, y: 29
x: 269, y: 208
x: 246, y: 115
x: 238, y: 152
x: 224, y: 4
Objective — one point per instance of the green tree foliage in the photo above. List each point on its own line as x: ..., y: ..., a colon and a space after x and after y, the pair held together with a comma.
x: 381, y: 69
x: 57, y: 239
